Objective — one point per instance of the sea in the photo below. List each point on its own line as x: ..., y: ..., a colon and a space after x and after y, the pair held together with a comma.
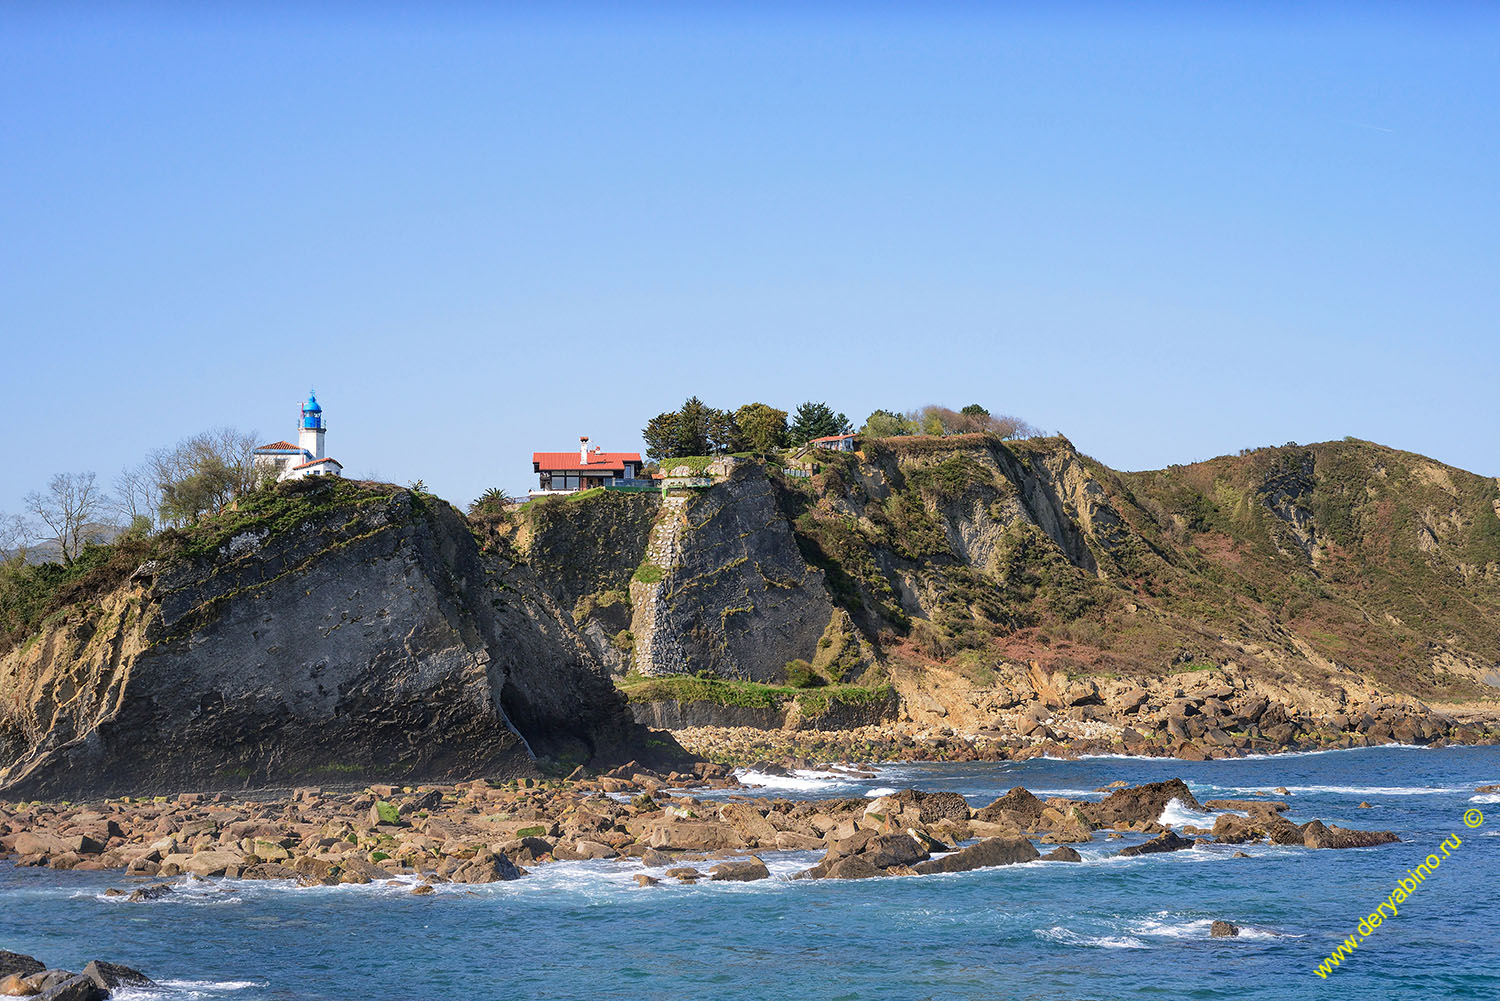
x: 1105, y: 928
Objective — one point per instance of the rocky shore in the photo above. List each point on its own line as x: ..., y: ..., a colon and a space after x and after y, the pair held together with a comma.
x: 27, y: 976
x: 485, y: 831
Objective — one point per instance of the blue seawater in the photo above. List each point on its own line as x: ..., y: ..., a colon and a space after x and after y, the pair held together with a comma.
x: 1106, y: 928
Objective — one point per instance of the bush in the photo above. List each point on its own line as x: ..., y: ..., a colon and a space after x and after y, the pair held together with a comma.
x: 800, y: 674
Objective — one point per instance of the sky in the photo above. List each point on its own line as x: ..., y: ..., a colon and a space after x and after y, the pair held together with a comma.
x: 484, y: 230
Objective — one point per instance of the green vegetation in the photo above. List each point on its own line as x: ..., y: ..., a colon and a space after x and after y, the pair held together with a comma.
x: 647, y: 573
x: 745, y: 694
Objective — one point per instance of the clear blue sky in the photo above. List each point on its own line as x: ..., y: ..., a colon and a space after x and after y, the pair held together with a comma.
x: 480, y: 231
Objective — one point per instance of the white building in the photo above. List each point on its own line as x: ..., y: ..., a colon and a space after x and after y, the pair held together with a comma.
x: 307, y: 457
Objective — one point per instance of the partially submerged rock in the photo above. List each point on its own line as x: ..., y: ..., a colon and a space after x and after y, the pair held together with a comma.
x: 1223, y: 929
x: 1168, y: 842
x: 983, y: 855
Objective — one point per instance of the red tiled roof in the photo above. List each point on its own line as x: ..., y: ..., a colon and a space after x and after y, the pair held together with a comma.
x: 834, y: 437
x: 318, y: 461
x: 602, y: 462
x: 280, y: 446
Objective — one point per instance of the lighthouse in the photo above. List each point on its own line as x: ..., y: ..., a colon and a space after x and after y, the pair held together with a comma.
x: 310, y: 432
x: 286, y: 461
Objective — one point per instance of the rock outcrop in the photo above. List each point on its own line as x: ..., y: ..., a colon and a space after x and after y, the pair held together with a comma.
x: 331, y: 631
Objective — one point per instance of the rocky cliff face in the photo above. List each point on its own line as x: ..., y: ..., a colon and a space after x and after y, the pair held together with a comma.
x: 338, y: 632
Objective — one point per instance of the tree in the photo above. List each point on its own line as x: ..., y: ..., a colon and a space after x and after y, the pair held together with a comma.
x: 660, y: 433
x: 137, y: 494
x: 66, y: 507
x: 763, y: 427
x: 816, y: 420
x: 973, y: 419
x: 695, y: 429
x: 203, y: 474
x: 886, y: 424
x: 204, y: 491
x: 493, y: 501
x: 16, y: 534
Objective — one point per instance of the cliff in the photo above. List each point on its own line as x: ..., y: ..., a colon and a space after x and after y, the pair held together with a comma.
x: 1297, y: 594
x: 327, y: 631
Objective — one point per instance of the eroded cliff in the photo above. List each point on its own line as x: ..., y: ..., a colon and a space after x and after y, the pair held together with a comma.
x: 328, y: 631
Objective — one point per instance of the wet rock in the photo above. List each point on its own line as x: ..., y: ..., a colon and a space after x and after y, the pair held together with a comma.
x: 1223, y: 929
x: 745, y: 870
x: 749, y: 823
x: 75, y: 988
x: 1168, y: 842
x: 887, y: 850
x: 112, y: 975
x: 987, y: 853
x: 1018, y: 805
x: 421, y: 890
x: 1062, y: 854
x: 487, y: 867
x: 19, y: 963
x: 791, y: 841
x: 153, y: 892
x: 935, y: 806
x: 1239, y: 855
x: 641, y: 879
x: 1141, y: 804
x: 684, y: 874
x: 854, y: 867
x: 1316, y: 835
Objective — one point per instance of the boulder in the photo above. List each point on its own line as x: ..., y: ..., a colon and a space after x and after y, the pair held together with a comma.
x: 153, y: 892
x: 886, y: 850
x: 935, y: 806
x: 1062, y: 854
x: 1316, y: 835
x: 1223, y: 929
x: 487, y: 867
x: 1141, y: 804
x: 75, y: 988
x: 1016, y: 806
x: 684, y: 874
x: 212, y: 862
x: 742, y: 870
x: 694, y: 835
x: 984, y: 854
x: 19, y: 962
x: 791, y: 841
x: 112, y: 975
x: 749, y: 824
x: 853, y: 867
x: 641, y: 879
x: 1168, y: 842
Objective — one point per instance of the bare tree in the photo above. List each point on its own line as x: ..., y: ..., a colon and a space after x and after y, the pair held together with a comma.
x: 66, y: 508
x: 137, y: 494
x: 16, y: 534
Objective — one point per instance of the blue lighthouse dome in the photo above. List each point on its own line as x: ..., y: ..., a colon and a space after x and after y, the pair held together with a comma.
x: 312, y: 414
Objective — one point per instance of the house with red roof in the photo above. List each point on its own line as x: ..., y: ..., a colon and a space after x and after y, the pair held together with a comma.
x: 306, y: 458
x: 569, y: 472
x: 834, y: 442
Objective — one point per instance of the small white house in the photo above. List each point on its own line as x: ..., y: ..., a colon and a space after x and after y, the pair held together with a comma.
x: 835, y: 442
x: 307, y: 457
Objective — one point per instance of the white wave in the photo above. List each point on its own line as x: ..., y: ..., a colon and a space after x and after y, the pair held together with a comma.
x: 1166, y: 925
x: 1070, y: 793
x: 880, y: 791
x: 1485, y: 797
x: 185, y: 990
x: 1067, y: 936
x: 1351, y: 791
x: 1177, y: 813
x: 800, y: 780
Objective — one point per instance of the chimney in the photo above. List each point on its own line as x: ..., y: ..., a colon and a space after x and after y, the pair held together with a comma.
x: 583, y: 450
